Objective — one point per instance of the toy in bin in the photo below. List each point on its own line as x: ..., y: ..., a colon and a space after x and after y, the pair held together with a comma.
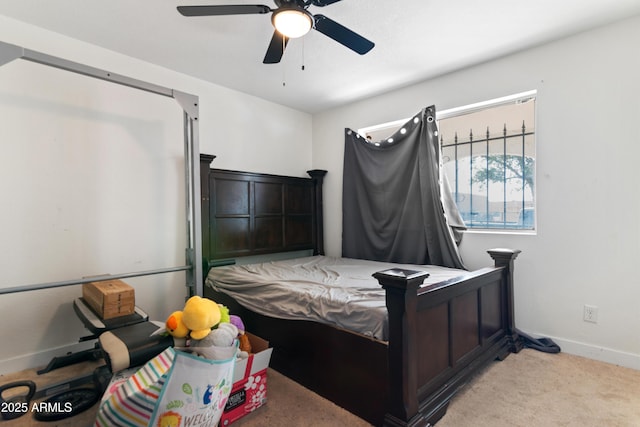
x: 193, y: 385
x: 208, y: 328
x: 249, y: 391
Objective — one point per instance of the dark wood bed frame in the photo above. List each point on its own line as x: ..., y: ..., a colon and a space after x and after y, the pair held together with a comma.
x: 439, y: 336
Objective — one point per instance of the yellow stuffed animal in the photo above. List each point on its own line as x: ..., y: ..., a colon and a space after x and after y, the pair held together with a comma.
x: 200, y: 315
x: 175, y: 326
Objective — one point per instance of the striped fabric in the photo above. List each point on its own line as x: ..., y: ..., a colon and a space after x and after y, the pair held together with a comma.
x: 132, y: 403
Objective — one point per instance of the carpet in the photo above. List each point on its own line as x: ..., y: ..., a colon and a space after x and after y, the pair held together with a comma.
x: 530, y: 388
x: 534, y: 388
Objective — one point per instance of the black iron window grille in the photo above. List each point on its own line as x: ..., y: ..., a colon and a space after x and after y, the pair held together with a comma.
x: 492, y: 177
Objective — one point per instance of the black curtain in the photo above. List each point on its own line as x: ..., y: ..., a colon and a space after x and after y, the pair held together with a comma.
x: 392, y: 199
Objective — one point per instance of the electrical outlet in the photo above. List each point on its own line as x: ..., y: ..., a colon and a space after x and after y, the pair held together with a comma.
x: 590, y: 313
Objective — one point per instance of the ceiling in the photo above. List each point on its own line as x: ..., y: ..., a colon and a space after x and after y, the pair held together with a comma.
x: 415, y: 40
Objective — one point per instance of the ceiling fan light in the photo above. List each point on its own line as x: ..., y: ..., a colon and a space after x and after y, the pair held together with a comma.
x: 292, y: 23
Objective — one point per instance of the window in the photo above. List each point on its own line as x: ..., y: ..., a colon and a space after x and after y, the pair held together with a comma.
x: 488, y: 155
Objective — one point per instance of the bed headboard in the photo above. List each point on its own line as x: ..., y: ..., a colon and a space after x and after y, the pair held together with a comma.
x: 246, y: 213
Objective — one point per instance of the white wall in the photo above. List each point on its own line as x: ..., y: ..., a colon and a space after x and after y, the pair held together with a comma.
x: 92, y: 181
x: 588, y: 146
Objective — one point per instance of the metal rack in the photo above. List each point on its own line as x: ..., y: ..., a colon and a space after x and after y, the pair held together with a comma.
x: 189, y: 104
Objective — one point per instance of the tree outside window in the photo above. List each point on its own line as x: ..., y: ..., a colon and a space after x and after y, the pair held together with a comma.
x: 489, y: 160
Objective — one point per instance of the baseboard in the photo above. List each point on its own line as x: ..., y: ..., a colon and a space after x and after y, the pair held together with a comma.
x: 40, y: 359
x: 602, y: 354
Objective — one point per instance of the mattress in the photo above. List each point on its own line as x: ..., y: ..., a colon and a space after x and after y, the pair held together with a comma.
x: 331, y: 290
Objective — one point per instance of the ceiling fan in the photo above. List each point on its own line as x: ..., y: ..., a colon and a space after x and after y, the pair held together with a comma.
x: 291, y: 19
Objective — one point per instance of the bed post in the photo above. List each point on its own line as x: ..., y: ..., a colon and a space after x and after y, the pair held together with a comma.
x: 401, y: 287
x: 317, y: 175
x: 205, y: 195
x: 504, y: 258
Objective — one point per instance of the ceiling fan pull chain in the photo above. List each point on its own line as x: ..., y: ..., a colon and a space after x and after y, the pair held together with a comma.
x: 302, y: 54
x: 284, y: 44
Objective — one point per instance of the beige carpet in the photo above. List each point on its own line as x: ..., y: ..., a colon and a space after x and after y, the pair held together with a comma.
x: 289, y: 404
x: 526, y: 389
x: 538, y: 389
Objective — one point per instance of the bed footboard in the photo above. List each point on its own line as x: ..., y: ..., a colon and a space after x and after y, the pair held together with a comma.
x: 440, y: 335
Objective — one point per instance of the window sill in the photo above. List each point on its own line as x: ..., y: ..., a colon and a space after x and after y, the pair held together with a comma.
x: 504, y: 232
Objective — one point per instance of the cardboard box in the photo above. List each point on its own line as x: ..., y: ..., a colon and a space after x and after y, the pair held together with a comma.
x: 110, y: 298
x: 249, y: 391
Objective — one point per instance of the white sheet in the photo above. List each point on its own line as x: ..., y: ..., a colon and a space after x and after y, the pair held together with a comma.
x: 337, y: 291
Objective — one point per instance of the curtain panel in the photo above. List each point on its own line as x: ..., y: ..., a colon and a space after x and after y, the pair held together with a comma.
x: 394, y: 206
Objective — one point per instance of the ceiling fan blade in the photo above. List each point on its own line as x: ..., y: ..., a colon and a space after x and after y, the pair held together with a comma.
x: 342, y: 34
x: 322, y: 3
x: 231, y: 9
x: 276, y: 48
